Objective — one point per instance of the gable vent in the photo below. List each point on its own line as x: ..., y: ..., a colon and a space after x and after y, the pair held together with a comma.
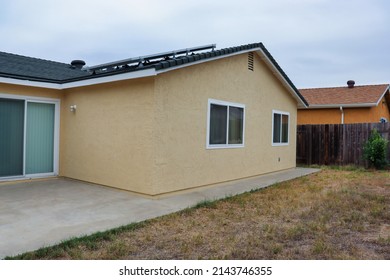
x: 250, y: 61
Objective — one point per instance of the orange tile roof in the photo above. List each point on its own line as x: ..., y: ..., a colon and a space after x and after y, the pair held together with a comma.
x: 344, y: 95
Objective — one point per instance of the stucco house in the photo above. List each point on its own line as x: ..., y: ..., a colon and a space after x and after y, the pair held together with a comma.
x: 344, y: 105
x: 152, y: 125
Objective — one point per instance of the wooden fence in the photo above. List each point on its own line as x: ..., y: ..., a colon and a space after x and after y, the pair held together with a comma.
x: 336, y: 144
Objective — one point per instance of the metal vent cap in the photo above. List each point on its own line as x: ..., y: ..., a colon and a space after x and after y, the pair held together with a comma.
x: 77, y: 64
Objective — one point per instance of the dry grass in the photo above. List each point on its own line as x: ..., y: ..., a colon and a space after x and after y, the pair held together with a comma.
x: 334, y: 214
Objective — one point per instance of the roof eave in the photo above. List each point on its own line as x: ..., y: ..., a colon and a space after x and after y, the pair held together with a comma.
x: 276, y: 70
x: 80, y: 82
x: 26, y: 82
x: 383, y: 94
x: 337, y: 106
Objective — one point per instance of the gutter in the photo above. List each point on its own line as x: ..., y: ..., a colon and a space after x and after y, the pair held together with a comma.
x: 342, y: 114
x: 336, y: 106
x: 80, y: 83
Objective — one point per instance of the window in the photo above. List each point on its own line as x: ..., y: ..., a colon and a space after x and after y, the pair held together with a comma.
x: 225, y: 127
x: 280, y: 124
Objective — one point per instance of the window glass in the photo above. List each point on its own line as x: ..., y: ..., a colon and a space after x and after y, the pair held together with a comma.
x: 277, y: 128
x: 284, y: 128
x: 218, y: 126
x: 280, y: 128
x: 236, y: 121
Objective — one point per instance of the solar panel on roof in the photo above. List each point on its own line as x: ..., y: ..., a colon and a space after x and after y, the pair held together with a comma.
x: 141, y: 59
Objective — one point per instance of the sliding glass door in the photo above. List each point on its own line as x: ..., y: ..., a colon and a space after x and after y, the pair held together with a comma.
x: 27, y: 137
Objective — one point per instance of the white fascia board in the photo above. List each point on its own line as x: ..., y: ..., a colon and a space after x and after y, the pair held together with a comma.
x: 274, y: 70
x: 383, y: 94
x: 113, y: 78
x: 29, y: 83
x: 82, y: 83
x: 337, y: 106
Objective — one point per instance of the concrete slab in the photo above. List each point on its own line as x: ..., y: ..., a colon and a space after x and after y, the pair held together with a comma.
x: 43, y: 213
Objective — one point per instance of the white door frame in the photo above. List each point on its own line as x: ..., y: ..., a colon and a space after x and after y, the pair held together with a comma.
x: 57, y: 103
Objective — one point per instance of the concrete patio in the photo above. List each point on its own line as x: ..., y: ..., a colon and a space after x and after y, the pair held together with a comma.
x: 45, y: 212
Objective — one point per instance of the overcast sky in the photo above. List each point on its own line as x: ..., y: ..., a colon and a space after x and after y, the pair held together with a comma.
x: 318, y: 43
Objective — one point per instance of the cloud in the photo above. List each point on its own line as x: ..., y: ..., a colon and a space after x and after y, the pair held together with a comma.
x: 315, y: 41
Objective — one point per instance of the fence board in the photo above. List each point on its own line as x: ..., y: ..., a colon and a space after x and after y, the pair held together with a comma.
x: 336, y: 144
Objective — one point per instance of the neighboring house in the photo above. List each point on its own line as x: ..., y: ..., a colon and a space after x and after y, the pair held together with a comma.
x: 152, y: 125
x: 343, y: 105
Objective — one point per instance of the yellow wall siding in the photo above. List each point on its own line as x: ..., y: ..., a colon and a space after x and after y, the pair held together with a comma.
x: 108, y: 139
x: 181, y: 158
x: 30, y: 91
x: 319, y: 116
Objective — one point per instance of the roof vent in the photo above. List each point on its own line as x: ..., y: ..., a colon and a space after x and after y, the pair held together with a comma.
x: 77, y: 64
x: 351, y: 83
x: 250, y: 61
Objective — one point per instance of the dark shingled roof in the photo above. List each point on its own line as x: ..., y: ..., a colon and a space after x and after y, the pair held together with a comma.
x: 34, y: 69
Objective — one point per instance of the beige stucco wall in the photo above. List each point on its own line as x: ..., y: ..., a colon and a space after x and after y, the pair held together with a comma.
x: 108, y: 140
x: 30, y: 91
x: 181, y: 102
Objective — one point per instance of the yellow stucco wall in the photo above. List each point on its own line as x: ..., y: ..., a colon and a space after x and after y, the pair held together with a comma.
x: 30, y: 91
x: 351, y: 115
x: 181, y: 102
x: 108, y: 140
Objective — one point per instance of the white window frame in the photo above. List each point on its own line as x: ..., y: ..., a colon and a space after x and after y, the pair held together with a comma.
x: 227, y: 145
x: 56, y: 156
x: 273, y: 124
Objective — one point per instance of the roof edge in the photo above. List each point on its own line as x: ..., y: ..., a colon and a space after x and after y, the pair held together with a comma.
x: 283, y: 77
x: 30, y: 83
x: 337, y: 106
x: 383, y: 94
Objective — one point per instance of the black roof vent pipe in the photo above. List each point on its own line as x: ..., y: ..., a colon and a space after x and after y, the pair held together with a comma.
x: 351, y: 83
x: 77, y: 64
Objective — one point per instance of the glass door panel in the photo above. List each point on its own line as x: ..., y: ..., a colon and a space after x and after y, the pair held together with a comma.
x: 39, y: 138
x: 11, y: 137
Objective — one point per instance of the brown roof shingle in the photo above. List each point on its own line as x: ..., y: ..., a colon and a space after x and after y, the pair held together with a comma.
x: 367, y: 94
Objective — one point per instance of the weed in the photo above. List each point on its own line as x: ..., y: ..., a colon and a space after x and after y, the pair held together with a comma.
x: 212, y: 204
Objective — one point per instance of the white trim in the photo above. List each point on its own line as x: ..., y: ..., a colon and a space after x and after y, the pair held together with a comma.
x: 383, y: 94
x: 289, y: 130
x: 57, y: 107
x: 337, y: 106
x: 81, y: 83
x: 26, y: 97
x: 224, y: 146
x: 112, y: 78
x: 24, y: 137
x: 277, y: 73
x: 29, y: 83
